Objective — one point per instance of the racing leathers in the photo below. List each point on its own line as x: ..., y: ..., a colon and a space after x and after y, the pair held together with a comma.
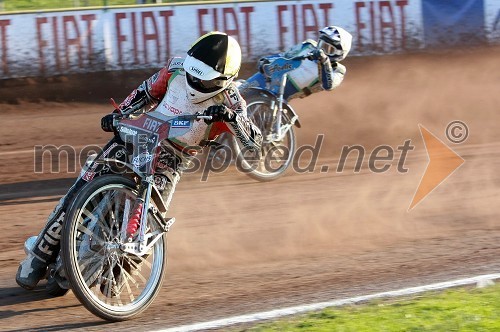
x: 315, y: 73
x: 166, y: 93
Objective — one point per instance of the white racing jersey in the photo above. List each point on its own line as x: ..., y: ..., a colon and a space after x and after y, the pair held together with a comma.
x: 312, y: 75
x: 166, y: 92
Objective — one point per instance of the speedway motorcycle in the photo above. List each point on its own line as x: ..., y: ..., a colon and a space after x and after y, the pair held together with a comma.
x: 114, y: 246
x: 267, y: 106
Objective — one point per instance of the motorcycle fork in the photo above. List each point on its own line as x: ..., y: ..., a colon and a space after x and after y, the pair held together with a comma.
x: 278, y: 111
x: 138, y: 217
x: 148, y: 185
x: 140, y: 246
x: 278, y: 132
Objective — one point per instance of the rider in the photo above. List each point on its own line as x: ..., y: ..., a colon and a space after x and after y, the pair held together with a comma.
x: 201, y: 82
x: 320, y: 70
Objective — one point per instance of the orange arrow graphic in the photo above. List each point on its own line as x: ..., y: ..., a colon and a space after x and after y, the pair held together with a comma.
x: 443, y: 161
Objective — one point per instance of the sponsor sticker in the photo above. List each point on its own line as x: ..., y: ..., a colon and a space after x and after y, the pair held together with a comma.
x: 176, y: 64
x: 129, y: 99
x: 160, y: 182
x: 181, y: 124
x: 142, y: 159
x: 172, y: 109
x: 88, y: 176
x: 152, y: 80
x: 151, y: 125
x: 196, y: 70
x: 271, y: 69
x: 127, y: 131
x: 232, y: 97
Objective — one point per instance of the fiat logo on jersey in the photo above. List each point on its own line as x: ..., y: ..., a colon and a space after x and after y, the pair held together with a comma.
x: 181, y: 124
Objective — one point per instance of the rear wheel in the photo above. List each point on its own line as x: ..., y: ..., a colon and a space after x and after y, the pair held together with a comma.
x: 276, y: 154
x: 109, y: 282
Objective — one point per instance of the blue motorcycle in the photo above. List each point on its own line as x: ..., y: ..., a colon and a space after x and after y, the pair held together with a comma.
x: 267, y: 94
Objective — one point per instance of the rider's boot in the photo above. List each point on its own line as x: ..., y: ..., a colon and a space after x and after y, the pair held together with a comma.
x: 32, y: 269
x: 41, y: 250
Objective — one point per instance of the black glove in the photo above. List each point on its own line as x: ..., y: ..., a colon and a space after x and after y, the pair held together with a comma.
x: 219, y: 113
x: 107, y: 122
x: 263, y: 62
x: 318, y: 54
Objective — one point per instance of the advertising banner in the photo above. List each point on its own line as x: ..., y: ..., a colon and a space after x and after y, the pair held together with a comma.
x: 492, y: 20
x: 449, y: 22
x: 54, y: 43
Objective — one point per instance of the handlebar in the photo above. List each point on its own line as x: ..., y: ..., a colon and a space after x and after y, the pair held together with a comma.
x: 302, y: 57
x: 196, y: 116
x: 204, y: 117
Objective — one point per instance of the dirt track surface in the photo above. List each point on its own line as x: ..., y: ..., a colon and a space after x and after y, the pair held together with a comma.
x: 306, y: 237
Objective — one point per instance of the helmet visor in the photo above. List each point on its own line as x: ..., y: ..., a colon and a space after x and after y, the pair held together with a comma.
x: 206, y: 86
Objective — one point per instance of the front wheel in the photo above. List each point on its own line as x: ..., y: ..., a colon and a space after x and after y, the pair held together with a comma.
x: 276, y: 153
x: 109, y: 282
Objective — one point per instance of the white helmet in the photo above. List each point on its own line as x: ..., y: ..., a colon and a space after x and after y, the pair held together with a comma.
x: 212, y: 63
x: 335, y: 42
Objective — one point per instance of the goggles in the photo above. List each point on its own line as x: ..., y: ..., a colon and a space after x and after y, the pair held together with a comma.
x: 206, y: 86
x: 329, y: 49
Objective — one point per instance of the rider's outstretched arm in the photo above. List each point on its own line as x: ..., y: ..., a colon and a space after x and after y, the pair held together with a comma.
x: 241, y: 126
x: 147, y: 93
x: 151, y: 91
x: 247, y: 132
x: 331, y: 74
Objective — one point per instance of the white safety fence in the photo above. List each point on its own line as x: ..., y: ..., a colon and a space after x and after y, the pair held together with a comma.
x: 52, y: 43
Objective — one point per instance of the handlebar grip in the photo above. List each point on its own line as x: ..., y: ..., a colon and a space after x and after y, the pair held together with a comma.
x: 204, y: 117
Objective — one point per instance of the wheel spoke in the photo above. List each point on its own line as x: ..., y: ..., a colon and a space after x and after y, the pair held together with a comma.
x: 137, y: 265
x: 90, y: 233
x: 127, y: 285
x: 109, y: 212
x: 92, y: 268
x: 107, y: 281
x: 126, y: 214
x: 95, y: 219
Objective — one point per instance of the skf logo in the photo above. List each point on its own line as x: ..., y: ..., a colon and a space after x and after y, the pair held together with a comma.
x: 196, y: 70
x: 181, y: 124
